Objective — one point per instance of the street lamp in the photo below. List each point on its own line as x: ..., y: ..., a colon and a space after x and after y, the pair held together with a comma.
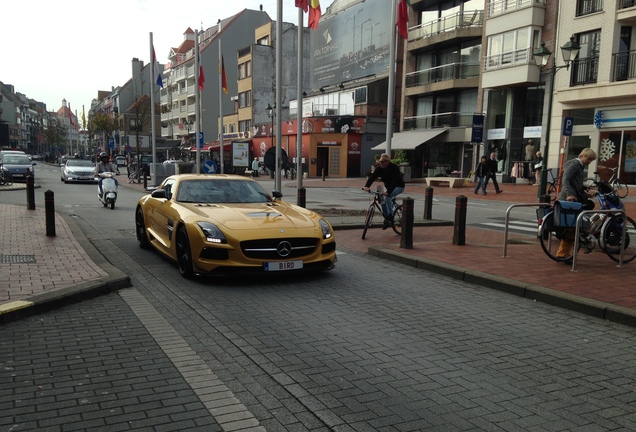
x: 270, y: 113
x: 569, y: 51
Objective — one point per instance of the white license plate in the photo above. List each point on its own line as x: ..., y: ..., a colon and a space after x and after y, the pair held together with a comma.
x: 283, y: 265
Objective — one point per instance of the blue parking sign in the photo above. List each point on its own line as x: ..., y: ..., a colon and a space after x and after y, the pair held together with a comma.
x: 111, y: 142
x: 568, y: 123
x: 201, y: 140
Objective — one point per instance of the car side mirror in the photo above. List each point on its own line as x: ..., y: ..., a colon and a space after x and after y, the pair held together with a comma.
x: 159, y: 193
x: 277, y: 194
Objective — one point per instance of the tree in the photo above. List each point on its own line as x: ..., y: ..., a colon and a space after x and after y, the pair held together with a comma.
x: 105, y: 125
x: 55, y: 135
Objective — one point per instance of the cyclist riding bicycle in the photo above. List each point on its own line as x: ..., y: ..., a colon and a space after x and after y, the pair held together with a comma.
x: 104, y: 166
x: 393, y: 182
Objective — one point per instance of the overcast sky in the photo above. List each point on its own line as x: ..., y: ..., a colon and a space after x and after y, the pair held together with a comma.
x: 70, y: 49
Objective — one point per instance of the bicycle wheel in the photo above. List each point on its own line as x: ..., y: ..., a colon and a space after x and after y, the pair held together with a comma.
x: 397, y: 218
x: 620, y: 188
x: 550, y: 238
x: 611, y: 237
x: 368, y: 220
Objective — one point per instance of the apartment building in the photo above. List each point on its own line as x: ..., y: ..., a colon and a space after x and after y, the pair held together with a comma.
x: 597, y: 90
x: 441, y: 85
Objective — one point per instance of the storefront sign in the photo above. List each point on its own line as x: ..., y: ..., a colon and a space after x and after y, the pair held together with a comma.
x: 478, y: 129
x: 497, y: 134
x: 532, y: 131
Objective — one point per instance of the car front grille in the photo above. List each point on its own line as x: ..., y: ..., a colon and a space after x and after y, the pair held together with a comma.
x: 275, y: 249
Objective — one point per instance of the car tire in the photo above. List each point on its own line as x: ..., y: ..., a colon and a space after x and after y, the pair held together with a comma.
x: 140, y: 229
x: 184, y: 254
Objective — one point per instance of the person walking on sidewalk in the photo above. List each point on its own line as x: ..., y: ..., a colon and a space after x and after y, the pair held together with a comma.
x: 393, y: 182
x: 573, y: 189
x: 492, y: 172
x: 538, y: 166
x: 481, y: 172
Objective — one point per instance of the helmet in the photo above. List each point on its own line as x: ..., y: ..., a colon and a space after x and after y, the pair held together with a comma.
x: 103, y: 155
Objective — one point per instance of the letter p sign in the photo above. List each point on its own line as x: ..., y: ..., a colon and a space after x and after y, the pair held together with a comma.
x: 568, y: 123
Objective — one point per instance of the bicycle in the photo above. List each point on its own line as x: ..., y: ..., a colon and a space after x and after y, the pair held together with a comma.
x: 617, y: 184
x: 604, y: 229
x: 136, y: 175
x: 5, y: 177
x: 376, y: 205
x: 552, y: 185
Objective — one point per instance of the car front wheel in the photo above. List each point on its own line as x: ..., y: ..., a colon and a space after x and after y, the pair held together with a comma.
x: 184, y: 254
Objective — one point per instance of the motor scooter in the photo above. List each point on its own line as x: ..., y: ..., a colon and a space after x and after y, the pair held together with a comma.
x: 109, y: 188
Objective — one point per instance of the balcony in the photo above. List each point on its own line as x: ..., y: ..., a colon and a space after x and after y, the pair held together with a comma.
x: 467, y: 25
x: 517, y: 14
x: 627, y: 12
x: 510, y: 68
x: 430, y: 121
x: 624, y: 66
x: 454, y: 75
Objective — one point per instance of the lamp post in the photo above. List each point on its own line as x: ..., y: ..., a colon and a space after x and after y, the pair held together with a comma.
x: 569, y: 51
x: 270, y: 113
x: 188, y: 125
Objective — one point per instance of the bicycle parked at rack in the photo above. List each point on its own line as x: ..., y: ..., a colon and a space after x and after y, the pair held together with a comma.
x: 376, y: 205
x: 136, y: 176
x: 617, y: 184
x: 5, y: 177
x: 604, y: 229
x: 551, y: 185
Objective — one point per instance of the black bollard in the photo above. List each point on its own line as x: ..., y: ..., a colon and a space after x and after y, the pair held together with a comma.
x: 302, y: 197
x: 323, y: 174
x: 428, y: 203
x: 459, y: 234
x: 406, y: 241
x: 49, y: 212
x: 30, y: 191
x: 145, y: 180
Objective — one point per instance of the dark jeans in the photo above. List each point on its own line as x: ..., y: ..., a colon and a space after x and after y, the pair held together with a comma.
x: 494, y: 181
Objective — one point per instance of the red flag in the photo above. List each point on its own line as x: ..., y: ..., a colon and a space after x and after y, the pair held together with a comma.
x: 403, y: 18
x: 223, y: 77
x: 314, y: 14
x: 201, y: 75
x: 302, y: 4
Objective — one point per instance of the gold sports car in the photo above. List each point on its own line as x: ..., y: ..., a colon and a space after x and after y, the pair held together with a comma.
x: 221, y: 223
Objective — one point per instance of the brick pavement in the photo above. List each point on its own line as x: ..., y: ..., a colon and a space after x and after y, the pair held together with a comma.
x: 68, y: 267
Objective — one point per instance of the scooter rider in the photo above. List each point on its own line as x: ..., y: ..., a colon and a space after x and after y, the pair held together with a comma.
x: 105, y: 166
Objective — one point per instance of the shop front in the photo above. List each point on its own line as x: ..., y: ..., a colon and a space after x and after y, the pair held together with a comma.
x: 616, y: 143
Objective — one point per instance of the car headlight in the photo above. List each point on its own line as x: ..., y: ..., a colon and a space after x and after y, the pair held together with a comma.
x: 212, y: 233
x: 326, y: 229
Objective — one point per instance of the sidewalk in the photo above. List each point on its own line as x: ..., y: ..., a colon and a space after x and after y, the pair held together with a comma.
x: 39, y: 272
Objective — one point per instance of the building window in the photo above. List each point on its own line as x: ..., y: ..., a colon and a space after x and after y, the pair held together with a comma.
x: 585, y: 7
x: 245, y: 99
x: 263, y: 41
x: 585, y: 67
x: 512, y: 47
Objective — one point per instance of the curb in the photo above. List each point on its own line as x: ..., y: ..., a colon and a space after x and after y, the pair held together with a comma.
x: 40, y: 303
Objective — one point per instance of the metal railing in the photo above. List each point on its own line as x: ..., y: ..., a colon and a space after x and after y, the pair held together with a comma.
x: 446, y: 24
x: 510, y: 58
x: 624, y: 66
x: 431, y: 121
x: 498, y: 7
x: 584, y: 71
x: 507, y: 219
x: 586, y: 7
x: 447, y: 72
x: 627, y: 4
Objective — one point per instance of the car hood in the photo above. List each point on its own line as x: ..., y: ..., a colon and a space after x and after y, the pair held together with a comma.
x: 255, y: 216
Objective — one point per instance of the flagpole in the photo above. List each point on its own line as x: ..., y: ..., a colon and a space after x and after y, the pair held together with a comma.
x: 221, y: 143
x: 279, y: 74
x: 153, y: 136
x: 197, y: 114
x: 299, y: 110
x: 391, y: 96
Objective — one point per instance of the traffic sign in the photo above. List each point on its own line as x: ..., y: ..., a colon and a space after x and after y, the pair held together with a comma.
x: 209, y: 167
x: 201, y: 140
x: 111, y: 142
x: 568, y: 123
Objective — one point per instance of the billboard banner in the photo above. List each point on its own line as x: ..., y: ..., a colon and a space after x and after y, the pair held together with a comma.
x: 351, y: 44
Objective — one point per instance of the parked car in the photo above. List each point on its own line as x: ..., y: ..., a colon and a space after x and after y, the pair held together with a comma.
x: 78, y: 170
x: 120, y: 161
x: 224, y: 223
x: 18, y: 152
x: 19, y: 165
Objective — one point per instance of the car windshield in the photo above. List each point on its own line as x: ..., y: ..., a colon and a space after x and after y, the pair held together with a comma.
x: 79, y: 163
x: 221, y: 192
x: 16, y: 160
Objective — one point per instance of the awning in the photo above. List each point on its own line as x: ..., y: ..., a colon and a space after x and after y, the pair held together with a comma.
x: 411, y: 139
